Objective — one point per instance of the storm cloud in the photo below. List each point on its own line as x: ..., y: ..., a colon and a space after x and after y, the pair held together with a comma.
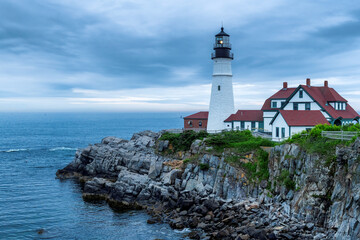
x: 62, y: 55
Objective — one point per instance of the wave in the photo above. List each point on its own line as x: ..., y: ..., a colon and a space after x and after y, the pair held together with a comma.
x: 185, y: 230
x: 15, y: 150
x: 62, y: 149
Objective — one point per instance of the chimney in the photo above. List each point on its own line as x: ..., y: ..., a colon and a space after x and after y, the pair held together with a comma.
x: 326, y: 84
x: 284, y: 85
x: 308, y: 82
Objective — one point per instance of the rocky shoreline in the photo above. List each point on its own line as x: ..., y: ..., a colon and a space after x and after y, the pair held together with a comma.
x: 219, y: 201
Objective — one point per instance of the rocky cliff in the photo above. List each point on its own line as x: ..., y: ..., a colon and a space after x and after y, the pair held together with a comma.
x: 327, y: 190
x: 305, y: 196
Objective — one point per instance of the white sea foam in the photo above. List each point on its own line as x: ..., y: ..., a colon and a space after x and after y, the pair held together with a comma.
x: 185, y: 230
x: 62, y: 149
x: 15, y: 150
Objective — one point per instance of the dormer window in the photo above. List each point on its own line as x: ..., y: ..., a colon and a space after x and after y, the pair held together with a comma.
x: 274, y: 104
x: 301, y: 94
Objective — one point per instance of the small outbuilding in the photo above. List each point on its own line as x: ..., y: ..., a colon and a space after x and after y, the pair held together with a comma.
x: 197, y: 121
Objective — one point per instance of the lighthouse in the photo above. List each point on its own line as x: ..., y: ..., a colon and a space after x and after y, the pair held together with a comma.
x: 222, y: 96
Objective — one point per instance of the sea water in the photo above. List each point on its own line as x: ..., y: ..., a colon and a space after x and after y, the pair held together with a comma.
x: 35, y: 205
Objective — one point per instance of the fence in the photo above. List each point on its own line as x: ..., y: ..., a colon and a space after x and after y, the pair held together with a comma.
x: 340, y: 135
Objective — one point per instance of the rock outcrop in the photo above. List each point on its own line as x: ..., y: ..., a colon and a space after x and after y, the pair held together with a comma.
x: 326, y: 189
x: 309, y: 198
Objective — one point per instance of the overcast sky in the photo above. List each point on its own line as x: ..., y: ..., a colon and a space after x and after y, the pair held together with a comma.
x: 110, y: 55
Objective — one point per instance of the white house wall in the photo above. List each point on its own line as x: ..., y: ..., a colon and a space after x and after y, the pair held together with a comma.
x: 280, y: 123
x: 237, y: 125
x: 305, y: 98
x: 295, y: 130
x: 268, y: 116
x: 278, y: 102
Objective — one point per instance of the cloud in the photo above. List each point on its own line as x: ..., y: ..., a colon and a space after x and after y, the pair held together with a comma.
x: 51, y: 47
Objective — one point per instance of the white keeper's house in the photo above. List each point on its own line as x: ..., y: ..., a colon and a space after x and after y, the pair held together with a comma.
x: 288, y: 111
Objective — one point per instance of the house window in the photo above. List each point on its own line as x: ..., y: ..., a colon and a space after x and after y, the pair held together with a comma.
x: 242, y: 125
x: 200, y: 123
x: 282, y: 104
x: 277, y: 132
x: 274, y: 104
x: 307, y: 106
x: 190, y: 123
x: 301, y: 94
x: 296, y: 106
x: 252, y: 125
x: 218, y: 87
x: 282, y: 132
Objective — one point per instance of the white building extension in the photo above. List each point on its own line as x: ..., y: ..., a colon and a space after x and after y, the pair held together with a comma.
x: 289, y: 122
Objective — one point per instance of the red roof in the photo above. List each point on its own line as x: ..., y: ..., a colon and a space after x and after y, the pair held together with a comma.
x: 302, y: 117
x: 199, y: 115
x: 246, y: 115
x: 282, y: 94
x: 323, y: 95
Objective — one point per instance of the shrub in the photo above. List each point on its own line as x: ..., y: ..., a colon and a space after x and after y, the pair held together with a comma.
x: 258, y: 170
x: 285, y: 179
x: 183, y: 141
x: 186, y: 161
x: 204, y: 166
x: 242, y: 141
x: 313, y: 142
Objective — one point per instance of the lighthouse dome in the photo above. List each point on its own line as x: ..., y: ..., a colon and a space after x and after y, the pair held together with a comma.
x: 222, y: 33
x: 222, y: 46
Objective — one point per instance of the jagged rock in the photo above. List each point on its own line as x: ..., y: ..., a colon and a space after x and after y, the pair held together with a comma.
x: 194, y: 235
x: 320, y: 236
x: 170, y: 177
x: 155, y: 169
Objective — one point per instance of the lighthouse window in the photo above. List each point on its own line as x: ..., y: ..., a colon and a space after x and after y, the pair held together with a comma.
x: 219, y: 88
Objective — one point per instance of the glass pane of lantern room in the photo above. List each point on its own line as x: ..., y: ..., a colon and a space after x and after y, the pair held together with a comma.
x: 219, y: 40
x: 226, y: 39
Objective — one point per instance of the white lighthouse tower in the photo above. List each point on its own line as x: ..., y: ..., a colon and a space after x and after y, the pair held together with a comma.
x: 222, y: 96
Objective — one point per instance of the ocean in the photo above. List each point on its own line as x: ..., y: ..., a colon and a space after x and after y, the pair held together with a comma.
x: 35, y: 205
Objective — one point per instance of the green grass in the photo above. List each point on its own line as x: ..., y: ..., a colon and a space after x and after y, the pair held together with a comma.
x: 242, y: 142
x: 313, y: 142
x: 182, y: 141
x: 258, y: 170
x: 284, y: 179
x: 193, y: 160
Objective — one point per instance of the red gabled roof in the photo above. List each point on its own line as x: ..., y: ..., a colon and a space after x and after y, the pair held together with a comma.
x: 282, y: 94
x: 303, y: 117
x: 199, y: 115
x: 323, y: 95
x: 246, y: 115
